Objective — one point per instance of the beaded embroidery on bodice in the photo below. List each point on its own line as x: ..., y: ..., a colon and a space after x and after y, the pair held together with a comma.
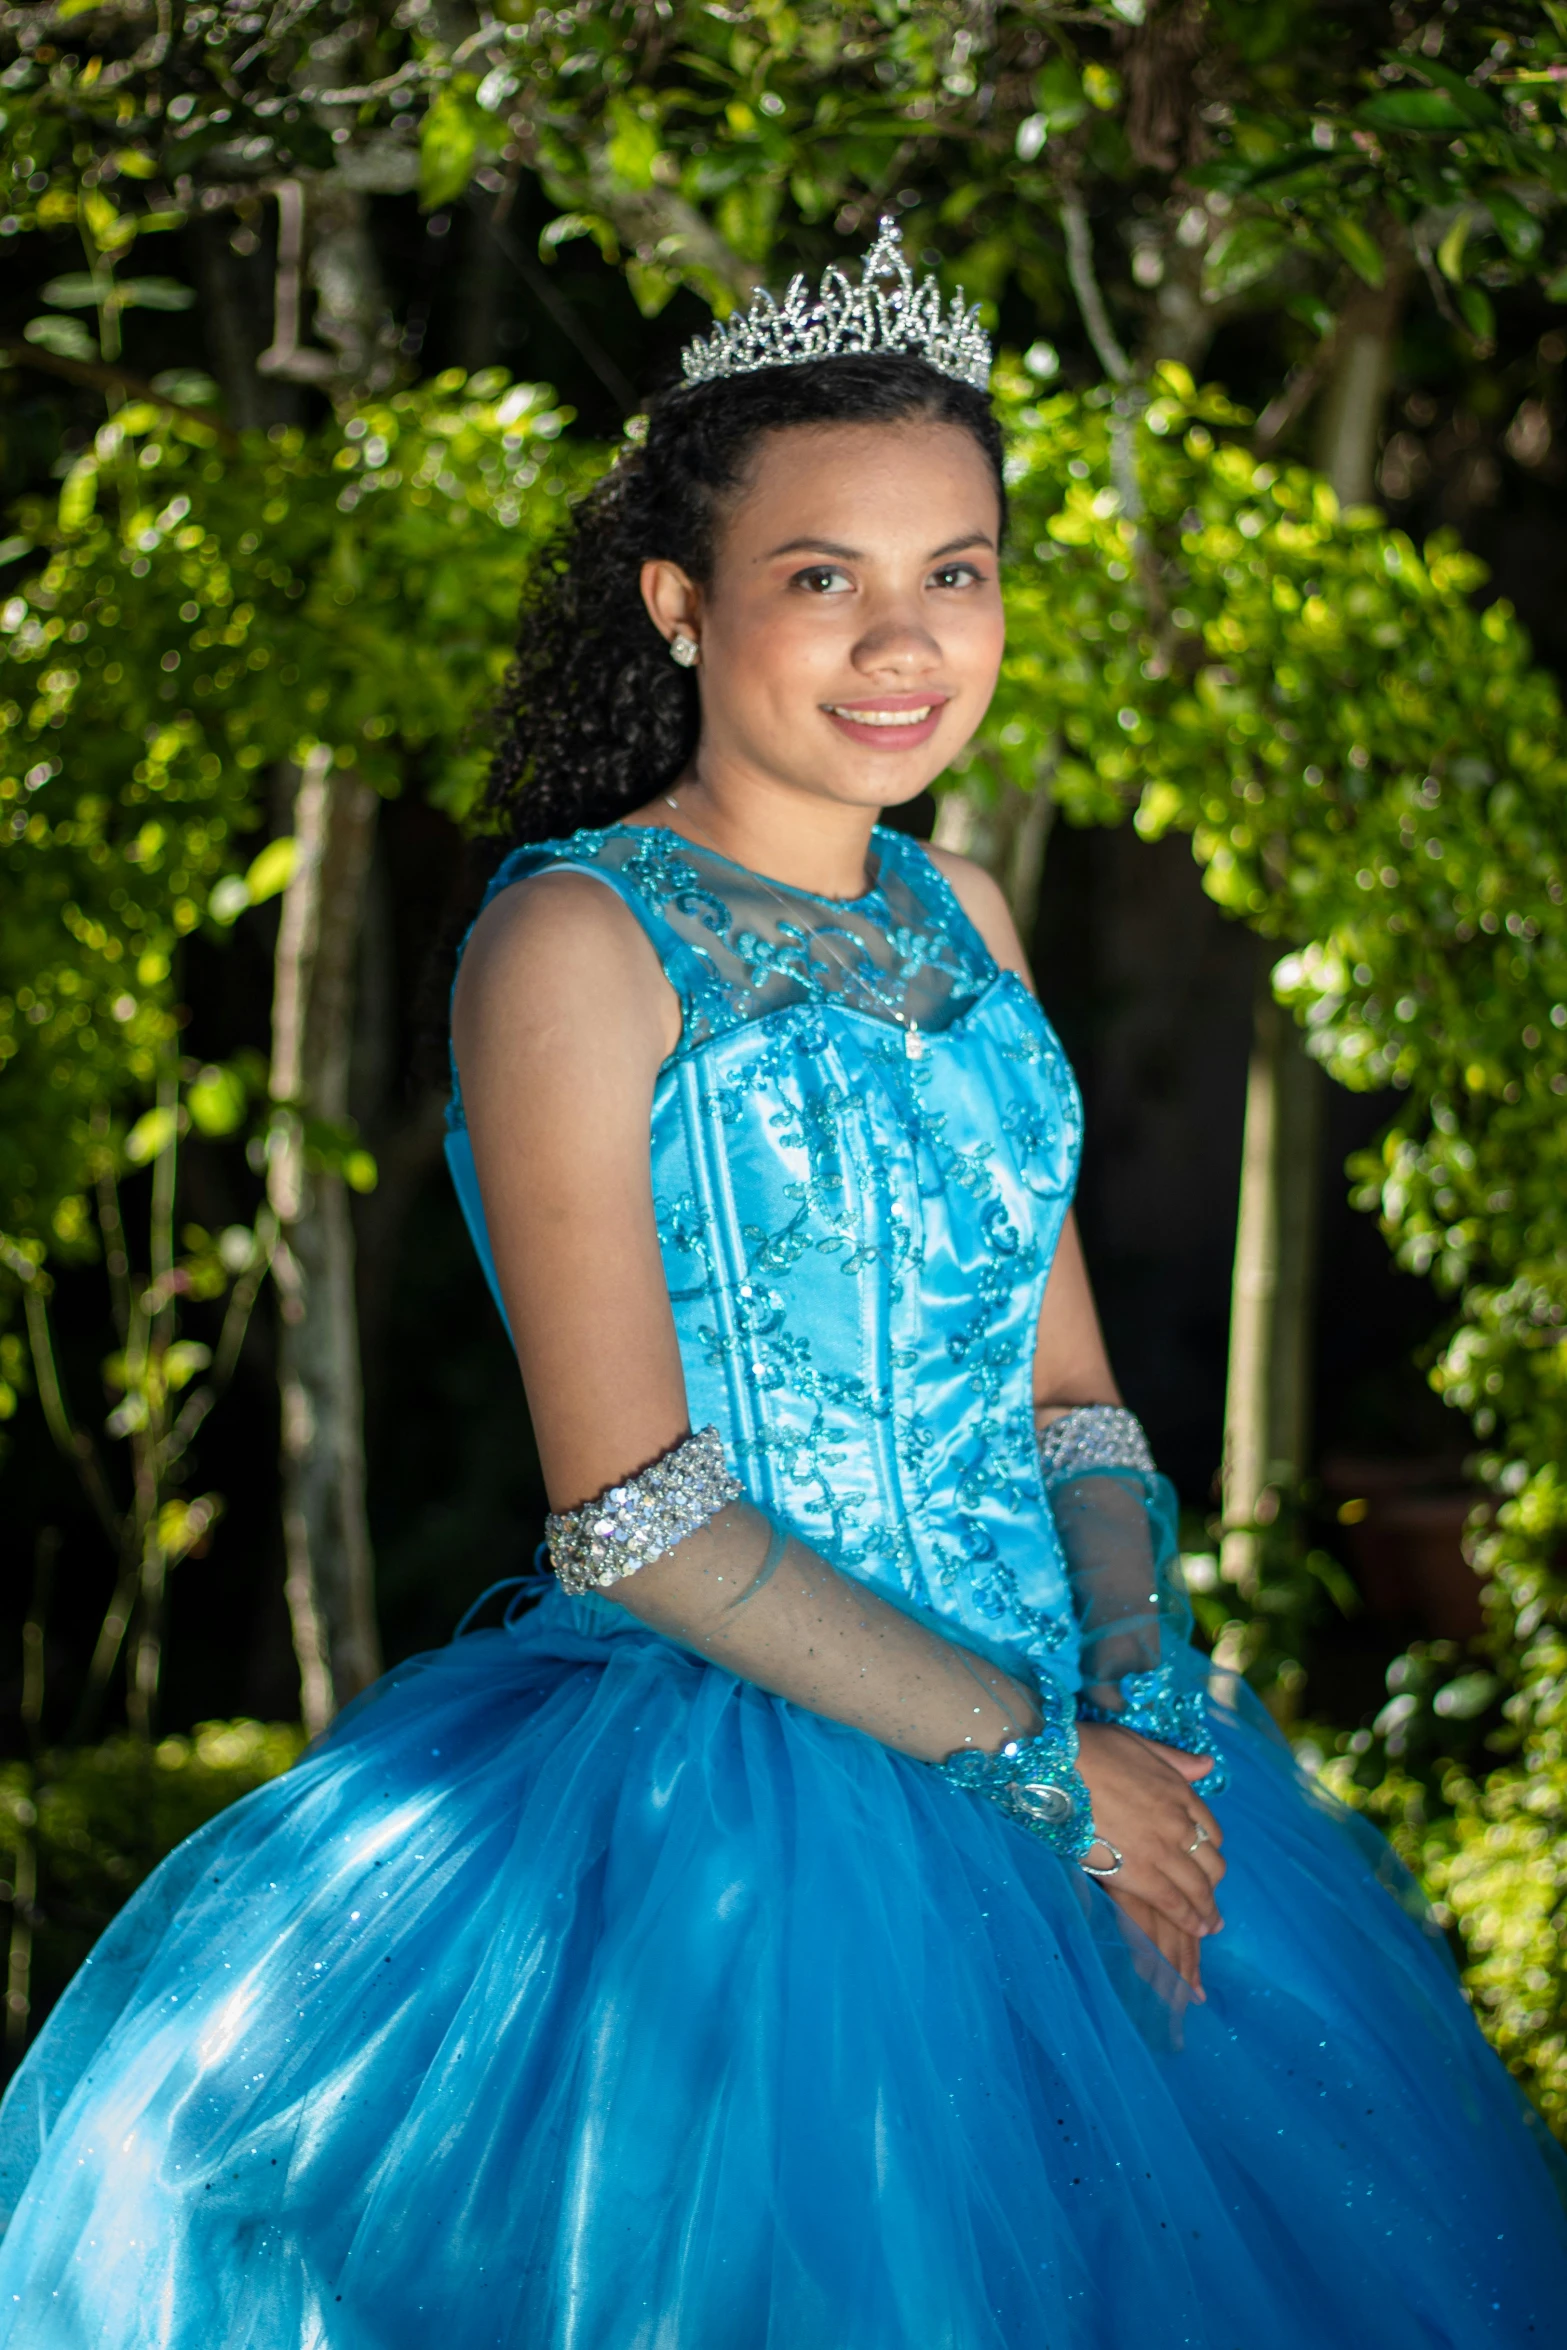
x: 737, y: 947
x: 862, y: 1149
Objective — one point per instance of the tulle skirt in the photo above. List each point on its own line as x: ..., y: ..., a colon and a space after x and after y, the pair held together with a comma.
x: 575, y: 1996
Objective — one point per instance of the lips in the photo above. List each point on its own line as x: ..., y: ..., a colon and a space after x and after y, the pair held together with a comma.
x: 892, y: 722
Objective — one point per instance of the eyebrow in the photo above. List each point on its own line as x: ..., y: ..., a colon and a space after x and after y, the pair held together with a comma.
x: 974, y: 538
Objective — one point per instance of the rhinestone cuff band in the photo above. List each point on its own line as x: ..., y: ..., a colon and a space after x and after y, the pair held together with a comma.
x: 1095, y: 1436
x: 631, y: 1524
x: 1153, y: 1706
x: 1036, y: 1782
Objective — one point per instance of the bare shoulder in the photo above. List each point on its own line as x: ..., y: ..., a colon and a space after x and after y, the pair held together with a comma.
x: 983, y: 901
x: 563, y: 952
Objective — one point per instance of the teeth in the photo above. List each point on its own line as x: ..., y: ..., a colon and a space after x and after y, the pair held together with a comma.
x: 883, y: 717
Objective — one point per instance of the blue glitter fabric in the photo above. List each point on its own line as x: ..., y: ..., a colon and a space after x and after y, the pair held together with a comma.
x: 574, y: 1995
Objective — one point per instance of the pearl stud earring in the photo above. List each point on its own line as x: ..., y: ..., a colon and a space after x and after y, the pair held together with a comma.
x: 685, y: 650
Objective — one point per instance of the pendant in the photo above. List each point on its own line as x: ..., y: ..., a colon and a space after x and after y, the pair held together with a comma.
x: 913, y: 1044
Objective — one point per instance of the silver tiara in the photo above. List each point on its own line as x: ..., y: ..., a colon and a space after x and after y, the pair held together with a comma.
x: 875, y: 315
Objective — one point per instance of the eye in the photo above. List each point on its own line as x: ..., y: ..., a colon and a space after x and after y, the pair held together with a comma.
x: 822, y: 579
x: 956, y: 575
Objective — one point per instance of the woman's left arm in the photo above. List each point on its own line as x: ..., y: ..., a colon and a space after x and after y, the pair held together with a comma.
x: 1143, y: 1790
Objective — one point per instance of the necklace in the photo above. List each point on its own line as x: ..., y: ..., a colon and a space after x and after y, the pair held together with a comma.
x: 913, y: 1037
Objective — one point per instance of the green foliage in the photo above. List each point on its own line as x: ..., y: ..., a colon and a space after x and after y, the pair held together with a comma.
x: 1372, y: 772
x: 202, y: 618
x: 1498, y: 1866
x: 1302, y: 148
x: 1491, y: 1850
x: 88, y: 1824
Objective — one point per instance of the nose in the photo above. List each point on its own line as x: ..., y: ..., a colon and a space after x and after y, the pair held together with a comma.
x: 896, y: 643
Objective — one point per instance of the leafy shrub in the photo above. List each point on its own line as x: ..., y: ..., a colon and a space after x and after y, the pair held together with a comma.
x: 90, y: 1823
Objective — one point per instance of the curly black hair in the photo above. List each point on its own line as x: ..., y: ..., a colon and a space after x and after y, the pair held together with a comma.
x: 595, y: 718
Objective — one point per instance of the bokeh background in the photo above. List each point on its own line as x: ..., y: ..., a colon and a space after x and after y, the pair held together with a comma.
x: 313, y: 317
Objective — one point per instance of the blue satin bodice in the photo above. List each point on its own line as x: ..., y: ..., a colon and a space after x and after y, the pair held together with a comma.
x: 863, y: 1149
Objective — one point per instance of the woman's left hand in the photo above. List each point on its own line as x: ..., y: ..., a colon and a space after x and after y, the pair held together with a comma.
x: 1179, y: 1950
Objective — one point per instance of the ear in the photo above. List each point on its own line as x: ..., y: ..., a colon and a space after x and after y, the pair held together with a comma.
x: 673, y: 599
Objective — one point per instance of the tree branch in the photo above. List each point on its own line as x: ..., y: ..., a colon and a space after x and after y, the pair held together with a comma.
x: 1295, y: 395
x: 73, y: 1442
x: 113, y: 379
x: 1085, y: 285
x: 560, y: 310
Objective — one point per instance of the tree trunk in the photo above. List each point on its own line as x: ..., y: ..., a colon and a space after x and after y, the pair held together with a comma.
x: 1267, y: 1400
x: 484, y: 283
x: 1267, y: 1397
x: 330, y: 1580
x: 1349, y: 422
x: 1006, y: 830
x: 234, y: 306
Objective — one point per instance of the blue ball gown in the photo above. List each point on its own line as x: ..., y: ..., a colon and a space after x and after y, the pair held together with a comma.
x: 574, y: 1995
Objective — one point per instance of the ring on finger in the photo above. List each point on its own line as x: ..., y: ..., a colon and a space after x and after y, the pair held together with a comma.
x: 1201, y: 1838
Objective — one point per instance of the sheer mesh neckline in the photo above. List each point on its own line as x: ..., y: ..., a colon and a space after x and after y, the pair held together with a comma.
x: 738, y: 948
x: 791, y: 889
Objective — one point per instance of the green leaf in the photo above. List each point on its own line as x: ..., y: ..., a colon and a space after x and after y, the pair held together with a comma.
x: 567, y: 227
x: 1555, y: 288
x: 152, y: 1134
x: 67, y: 338
x: 76, y: 292
x: 1303, y: 163
x: 216, y: 1100
x: 1359, y: 248
x: 65, y: 9
x: 1477, y: 106
x: 1520, y: 232
x: 1312, y: 311
x: 1478, y: 313
x: 79, y: 493
x: 153, y: 293
x: 634, y: 146
x: 1450, y: 252
x: 1243, y: 256
x: 1058, y: 95
x: 273, y: 870
x: 192, y: 387
x: 1429, y: 112
x: 652, y: 288
x: 181, y: 1362
x: 448, y: 151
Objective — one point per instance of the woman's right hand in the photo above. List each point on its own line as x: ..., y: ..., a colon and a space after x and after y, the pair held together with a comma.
x: 1146, y: 1803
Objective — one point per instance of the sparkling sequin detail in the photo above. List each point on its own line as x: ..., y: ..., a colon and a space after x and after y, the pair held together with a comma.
x: 856, y: 1237
x: 1095, y: 1436
x: 1035, y: 1782
x: 1157, y: 1707
x: 633, y: 1523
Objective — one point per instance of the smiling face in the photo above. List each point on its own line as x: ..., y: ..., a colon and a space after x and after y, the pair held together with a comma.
x: 852, y: 629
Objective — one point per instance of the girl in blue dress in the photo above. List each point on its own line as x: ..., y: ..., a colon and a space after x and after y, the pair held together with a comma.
x: 845, y: 1914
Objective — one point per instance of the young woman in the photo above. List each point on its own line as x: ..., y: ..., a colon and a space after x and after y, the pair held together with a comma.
x: 803, y: 1928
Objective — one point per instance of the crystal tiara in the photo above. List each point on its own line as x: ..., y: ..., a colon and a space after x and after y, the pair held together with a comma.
x: 875, y: 315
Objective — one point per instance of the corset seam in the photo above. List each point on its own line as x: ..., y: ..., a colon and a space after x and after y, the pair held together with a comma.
x: 710, y: 1171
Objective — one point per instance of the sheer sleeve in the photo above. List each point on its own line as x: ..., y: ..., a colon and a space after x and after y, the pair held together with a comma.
x: 1116, y: 1519
x: 678, y: 1547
